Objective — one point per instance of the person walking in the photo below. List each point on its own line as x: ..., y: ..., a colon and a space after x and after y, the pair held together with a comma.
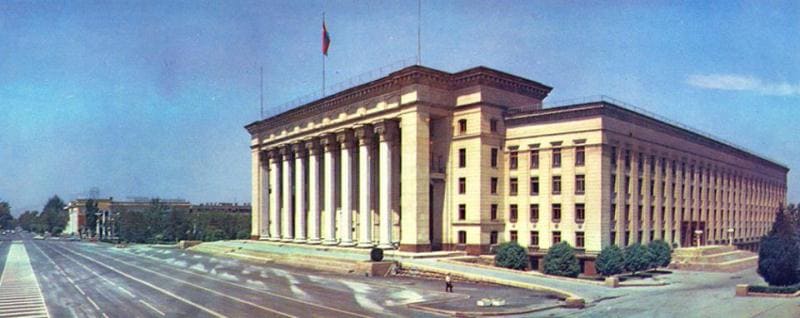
x: 448, y: 284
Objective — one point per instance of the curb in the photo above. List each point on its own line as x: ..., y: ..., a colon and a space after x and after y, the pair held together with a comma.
x: 531, y: 273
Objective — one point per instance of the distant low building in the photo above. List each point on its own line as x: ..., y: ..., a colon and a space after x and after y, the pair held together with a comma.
x: 221, y: 206
x: 107, y: 209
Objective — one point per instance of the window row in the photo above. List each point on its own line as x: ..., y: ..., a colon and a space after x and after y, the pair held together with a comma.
x: 513, y: 185
x: 513, y: 158
x: 533, y: 212
x: 580, y: 238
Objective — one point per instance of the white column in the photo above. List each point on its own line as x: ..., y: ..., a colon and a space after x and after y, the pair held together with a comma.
x: 264, y: 190
x: 365, y: 158
x: 300, y: 192
x: 345, y: 138
x: 313, y: 191
x: 276, y: 198
x: 386, y: 132
x: 329, y: 143
x: 286, y: 232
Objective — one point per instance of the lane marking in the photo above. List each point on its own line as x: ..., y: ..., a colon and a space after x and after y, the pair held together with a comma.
x: 93, y: 303
x: 163, y: 291
x: 152, y: 307
x: 19, y: 286
x: 243, y: 286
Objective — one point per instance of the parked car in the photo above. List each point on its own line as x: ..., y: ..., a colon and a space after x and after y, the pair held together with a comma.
x: 38, y: 237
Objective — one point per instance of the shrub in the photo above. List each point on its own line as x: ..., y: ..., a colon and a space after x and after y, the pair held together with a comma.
x: 779, y: 253
x: 610, y: 261
x: 661, y: 253
x: 637, y: 258
x: 376, y: 254
x: 511, y: 255
x: 791, y: 289
x: 560, y: 260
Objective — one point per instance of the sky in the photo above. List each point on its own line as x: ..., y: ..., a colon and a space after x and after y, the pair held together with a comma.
x: 149, y: 98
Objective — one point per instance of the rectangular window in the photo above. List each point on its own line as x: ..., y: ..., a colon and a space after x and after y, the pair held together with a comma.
x: 613, y: 183
x: 462, y: 158
x: 613, y: 214
x: 493, y: 125
x: 513, y: 235
x: 627, y: 184
x: 639, y: 186
x: 494, y: 158
x: 652, y: 187
x: 627, y: 213
x: 513, y: 186
x: 462, y: 237
x: 556, y: 237
x: 640, y: 163
x: 580, y: 156
x: 580, y: 184
x: 493, y: 212
x: 579, y: 239
x: 462, y: 185
x: 512, y: 160
x: 652, y: 164
x: 535, y: 159
x: 640, y: 213
x: 534, y: 238
x: 493, y: 238
x: 627, y: 159
x: 580, y: 212
x: 556, y: 184
x: 512, y: 213
x: 663, y: 215
x: 556, y: 213
x: 462, y: 126
x: 614, y: 156
x: 462, y: 212
x: 556, y: 157
x: 652, y: 214
x: 493, y: 185
x: 534, y: 209
x: 534, y: 185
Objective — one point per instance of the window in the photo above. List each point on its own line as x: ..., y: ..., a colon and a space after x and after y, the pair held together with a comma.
x: 512, y: 160
x: 627, y: 158
x: 493, y: 238
x: 462, y: 185
x: 512, y: 213
x: 462, y: 237
x: 493, y: 185
x: 556, y: 184
x: 462, y: 212
x: 627, y: 184
x: 494, y: 158
x: 462, y: 158
x: 556, y: 237
x: 652, y: 214
x: 613, y: 183
x: 627, y: 213
x: 652, y: 187
x: 580, y: 184
x: 556, y: 213
x: 639, y: 186
x: 535, y: 159
x: 580, y: 156
x: 639, y: 213
x: 579, y: 239
x: 534, y: 238
x: 534, y: 213
x: 580, y: 212
x: 513, y: 186
x: 663, y: 215
x: 614, y: 156
x: 493, y: 125
x: 652, y: 164
x: 556, y: 157
x: 493, y: 212
x: 513, y: 235
x: 462, y: 126
x: 534, y: 185
x: 640, y: 163
x: 613, y: 213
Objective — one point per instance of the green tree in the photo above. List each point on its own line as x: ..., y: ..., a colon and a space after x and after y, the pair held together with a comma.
x: 511, y: 255
x: 660, y: 252
x: 637, y: 258
x: 779, y: 252
x: 91, y: 216
x: 610, y: 261
x: 560, y: 260
x: 6, y: 219
x: 54, y: 217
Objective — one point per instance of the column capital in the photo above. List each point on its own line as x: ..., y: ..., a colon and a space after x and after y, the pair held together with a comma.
x: 364, y: 134
x: 386, y: 129
x: 346, y: 138
x: 312, y: 146
x: 329, y: 142
x: 299, y: 149
x: 275, y: 153
x: 286, y: 151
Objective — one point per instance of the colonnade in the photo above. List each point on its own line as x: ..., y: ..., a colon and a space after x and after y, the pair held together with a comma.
x: 308, y: 187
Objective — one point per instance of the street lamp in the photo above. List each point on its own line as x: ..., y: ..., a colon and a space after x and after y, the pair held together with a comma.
x: 698, y: 233
x: 730, y: 236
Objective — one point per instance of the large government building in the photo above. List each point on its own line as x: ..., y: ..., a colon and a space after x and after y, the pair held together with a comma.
x: 425, y: 160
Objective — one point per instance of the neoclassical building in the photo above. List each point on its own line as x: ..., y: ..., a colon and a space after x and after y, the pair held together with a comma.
x: 425, y: 160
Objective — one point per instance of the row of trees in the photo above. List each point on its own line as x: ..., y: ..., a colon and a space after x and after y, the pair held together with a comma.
x: 561, y: 258
x: 52, y: 219
x: 6, y: 219
x: 779, y: 251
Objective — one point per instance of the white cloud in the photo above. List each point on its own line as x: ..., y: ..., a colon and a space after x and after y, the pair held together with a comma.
x: 735, y: 82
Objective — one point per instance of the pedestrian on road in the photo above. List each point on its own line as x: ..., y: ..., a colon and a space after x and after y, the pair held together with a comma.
x: 448, y: 284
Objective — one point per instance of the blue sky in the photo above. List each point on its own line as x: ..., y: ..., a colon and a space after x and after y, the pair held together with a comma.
x: 148, y: 98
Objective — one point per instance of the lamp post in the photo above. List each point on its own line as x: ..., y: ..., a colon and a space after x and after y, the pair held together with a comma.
x: 730, y: 236
x: 697, y: 233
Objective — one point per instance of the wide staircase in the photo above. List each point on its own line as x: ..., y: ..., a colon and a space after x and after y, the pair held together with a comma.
x: 715, y: 258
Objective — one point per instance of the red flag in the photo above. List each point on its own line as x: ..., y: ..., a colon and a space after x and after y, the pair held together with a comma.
x: 326, y: 39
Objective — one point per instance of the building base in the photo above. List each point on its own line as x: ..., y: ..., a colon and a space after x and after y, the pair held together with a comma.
x: 415, y: 248
x: 255, y: 237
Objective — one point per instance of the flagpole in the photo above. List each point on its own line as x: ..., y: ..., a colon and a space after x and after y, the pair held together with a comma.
x: 419, y: 32
x: 261, y: 87
x: 323, y: 60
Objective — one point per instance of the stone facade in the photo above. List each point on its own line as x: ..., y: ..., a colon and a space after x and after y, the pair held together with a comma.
x: 425, y: 160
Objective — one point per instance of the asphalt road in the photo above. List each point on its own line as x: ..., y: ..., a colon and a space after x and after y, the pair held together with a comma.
x: 80, y: 279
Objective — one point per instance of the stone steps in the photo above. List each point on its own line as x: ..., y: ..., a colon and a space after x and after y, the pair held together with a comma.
x: 713, y: 258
